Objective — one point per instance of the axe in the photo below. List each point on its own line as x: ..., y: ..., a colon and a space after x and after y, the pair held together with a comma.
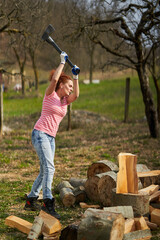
x: 46, y: 37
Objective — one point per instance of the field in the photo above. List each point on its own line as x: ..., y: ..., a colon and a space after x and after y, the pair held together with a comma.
x: 98, y: 132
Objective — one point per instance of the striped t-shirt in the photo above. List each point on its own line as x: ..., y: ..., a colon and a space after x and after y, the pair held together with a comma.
x: 53, y: 111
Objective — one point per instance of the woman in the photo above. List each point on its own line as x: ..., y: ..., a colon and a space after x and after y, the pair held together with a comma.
x: 60, y: 92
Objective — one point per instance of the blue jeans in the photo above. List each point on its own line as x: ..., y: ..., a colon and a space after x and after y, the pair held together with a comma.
x: 44, y: 145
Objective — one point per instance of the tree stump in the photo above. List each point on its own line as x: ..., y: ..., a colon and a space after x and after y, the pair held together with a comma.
x: 105, y: 185
x: 101, y: 167
x: 126, y: 211
x: 139, y: 202
x: 67, y: 197
x: 98, y: 224
x: 127, y: 180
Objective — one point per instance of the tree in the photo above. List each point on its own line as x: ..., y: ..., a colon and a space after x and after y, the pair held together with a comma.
x: 131, y: 24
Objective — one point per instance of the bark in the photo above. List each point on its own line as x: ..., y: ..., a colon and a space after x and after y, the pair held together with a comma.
x: 32, y: 55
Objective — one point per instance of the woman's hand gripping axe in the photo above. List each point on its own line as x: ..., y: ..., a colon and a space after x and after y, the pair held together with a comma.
x: 46, y: 37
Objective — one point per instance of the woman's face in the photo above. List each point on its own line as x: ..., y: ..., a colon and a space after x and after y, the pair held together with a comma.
x: 67, y: 88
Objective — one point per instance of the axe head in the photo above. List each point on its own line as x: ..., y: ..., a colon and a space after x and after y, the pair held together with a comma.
x: 47, y: 32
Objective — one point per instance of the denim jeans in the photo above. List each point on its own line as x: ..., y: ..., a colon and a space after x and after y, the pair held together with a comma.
x: 44, y: 145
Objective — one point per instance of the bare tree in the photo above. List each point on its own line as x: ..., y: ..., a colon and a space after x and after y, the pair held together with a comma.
x: 131, y: 24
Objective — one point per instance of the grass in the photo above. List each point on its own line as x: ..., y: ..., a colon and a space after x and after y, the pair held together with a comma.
x: 92, y: 138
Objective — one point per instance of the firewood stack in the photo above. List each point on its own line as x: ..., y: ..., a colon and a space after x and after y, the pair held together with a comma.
x: 127, y: 204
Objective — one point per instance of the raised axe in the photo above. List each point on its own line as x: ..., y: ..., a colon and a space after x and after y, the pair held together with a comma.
x: 46, y: 37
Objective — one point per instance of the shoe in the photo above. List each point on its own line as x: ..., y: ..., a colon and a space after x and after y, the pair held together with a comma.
x: 31, y: 204
x: 49, y: 207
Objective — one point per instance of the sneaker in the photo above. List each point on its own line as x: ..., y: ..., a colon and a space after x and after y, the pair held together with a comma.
x: 31, y: 204
x: 48, y: 207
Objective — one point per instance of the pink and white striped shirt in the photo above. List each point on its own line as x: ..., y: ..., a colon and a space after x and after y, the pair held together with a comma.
x: 53, y: 111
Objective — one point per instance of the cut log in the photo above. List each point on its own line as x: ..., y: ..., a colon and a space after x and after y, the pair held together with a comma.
x: 51, y: 224
x: 64, y: 184
x: 105, y: 185
x: 101, y: 167
x: 18, y: 223
x: 150, y: 189
x: 151, y: 225
x: 80, y: 194
x: 149, y: 178
x: 98, y: 224
x: 70, y: 232
x: 155, y: 216
x: 154, y: 196
x: 67, y: 197
x: 142, y: 168
x: 129, y: 225
x: 138, y: 235
x: 76, y: 182
x: 84, y: 205
x: 91, y: 187
x: 36, y: 228
x: 127, y: 180
x: 139, y: 202
x: 126, y: 211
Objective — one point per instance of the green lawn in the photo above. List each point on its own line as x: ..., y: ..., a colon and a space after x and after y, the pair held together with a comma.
x: 106, y: 98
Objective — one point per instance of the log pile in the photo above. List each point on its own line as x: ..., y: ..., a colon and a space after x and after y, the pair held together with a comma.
x: 127, y: 204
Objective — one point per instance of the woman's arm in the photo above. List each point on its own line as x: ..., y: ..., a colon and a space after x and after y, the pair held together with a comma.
x: 52, y: 86
x: 73, y: 96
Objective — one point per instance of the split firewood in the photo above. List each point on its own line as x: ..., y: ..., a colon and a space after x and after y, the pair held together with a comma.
x: 138, y: 235
x: 150, y: 189
x: 154, y: 196
x: 36, y: 228
x: 67, y: 197
x: 64, y: 184
x: 99, y: 224
x: 101, y: 167
x: 149, y: 178
x: 129, y: 225
x: 105, y: 185
x: 76, y: 182
x: 80, y: 194
x: 127, y: 180
x: 70, y: 232
x: 155, y: 216
x: 50, y: 223
x: 139, y: 202
x: 140, y: 223
x: 140, y: 230
x: 18, y: 223
x: 84, y: 205
x: 53, y: 236
x: 126, y: 211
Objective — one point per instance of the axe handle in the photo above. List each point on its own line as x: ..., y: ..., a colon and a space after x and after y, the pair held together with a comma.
x: 52, y: 42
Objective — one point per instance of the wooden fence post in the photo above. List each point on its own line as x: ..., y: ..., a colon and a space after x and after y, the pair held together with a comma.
x: 1, y: 106
x: 69, y: 117
x: 127, y: 94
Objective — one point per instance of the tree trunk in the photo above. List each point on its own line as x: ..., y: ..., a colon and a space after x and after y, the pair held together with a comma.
x: 150, y: 111
x: 32, y: 55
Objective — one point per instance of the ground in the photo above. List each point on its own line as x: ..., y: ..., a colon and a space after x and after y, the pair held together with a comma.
x: 92, y: 138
